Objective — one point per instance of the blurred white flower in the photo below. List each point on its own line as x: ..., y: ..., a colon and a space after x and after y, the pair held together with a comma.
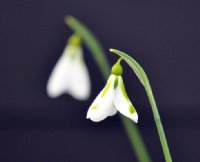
x: 70, y: 74
x: 113, y: 97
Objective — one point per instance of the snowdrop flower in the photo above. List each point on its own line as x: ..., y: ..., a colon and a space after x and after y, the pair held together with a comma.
x: 113, y: 97
x: 70, y: 74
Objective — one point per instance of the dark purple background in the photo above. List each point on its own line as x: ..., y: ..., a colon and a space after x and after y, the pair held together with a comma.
x: 164, y: 36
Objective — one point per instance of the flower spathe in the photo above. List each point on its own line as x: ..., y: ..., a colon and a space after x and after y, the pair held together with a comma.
x: 112, y: 98
x: 70, y: 74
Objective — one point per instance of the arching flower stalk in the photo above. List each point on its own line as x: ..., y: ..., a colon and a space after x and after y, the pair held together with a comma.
x: 112, y: 98
x: 70, y: 74
x: 99, y: 56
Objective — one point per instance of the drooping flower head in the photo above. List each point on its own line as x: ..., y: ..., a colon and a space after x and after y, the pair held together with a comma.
x: 70, y: 74
x: 112, y: 98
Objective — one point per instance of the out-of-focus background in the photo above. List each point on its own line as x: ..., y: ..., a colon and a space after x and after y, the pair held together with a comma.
x: 164, y: 36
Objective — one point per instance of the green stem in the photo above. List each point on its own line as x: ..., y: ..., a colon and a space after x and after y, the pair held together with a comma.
x: 98, y: 54
x: 135, y: 139
x: 158, y: 123
x: 145, y: 82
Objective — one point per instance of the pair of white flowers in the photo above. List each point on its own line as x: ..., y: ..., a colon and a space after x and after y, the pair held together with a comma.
x: 70, y: 75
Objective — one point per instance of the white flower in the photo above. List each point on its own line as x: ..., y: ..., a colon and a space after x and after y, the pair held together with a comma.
x: 70, y: 74
x: 113, y: 97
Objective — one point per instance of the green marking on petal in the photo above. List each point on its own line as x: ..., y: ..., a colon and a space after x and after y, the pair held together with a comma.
x: 124, y: 91
x: 105, y: 90
x: 131, y: 109
x: 116, y: 83
x: 94, y: 107
x: 73, y: 55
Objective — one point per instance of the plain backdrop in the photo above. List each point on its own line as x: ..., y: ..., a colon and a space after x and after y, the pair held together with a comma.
x: 163, y: 36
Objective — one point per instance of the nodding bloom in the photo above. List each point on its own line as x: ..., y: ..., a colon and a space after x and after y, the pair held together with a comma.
x: 113, y: 97
x: 70, y: 74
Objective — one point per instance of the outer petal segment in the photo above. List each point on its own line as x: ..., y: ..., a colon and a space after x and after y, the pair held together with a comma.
x: 122, y: 102
x: 80, y: 86
x: 59, y: 79
x: 102, y: 106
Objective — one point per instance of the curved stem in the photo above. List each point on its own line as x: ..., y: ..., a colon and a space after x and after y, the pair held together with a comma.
x: 93, y: 44
x: 145, y: 82
x: 135, y: 139
x: 158, y: 123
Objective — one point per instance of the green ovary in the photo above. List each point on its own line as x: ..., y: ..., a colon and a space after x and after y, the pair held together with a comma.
x: 117, y: 68
x: 74, y: 40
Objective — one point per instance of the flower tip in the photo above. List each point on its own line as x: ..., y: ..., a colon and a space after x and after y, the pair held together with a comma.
x: 51, y: 93
x: 111, y: 50
x: 89, y: 118
x: 136, y: 121
x: 68, y: 18
x: 83, y: 97
x: 135, y: 118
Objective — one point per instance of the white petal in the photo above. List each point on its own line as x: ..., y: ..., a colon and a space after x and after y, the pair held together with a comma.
x: 113, y: 111
x: 58, y: 81
x: 80, y: 86
x: 102, y: 105
x: 122, y: 102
